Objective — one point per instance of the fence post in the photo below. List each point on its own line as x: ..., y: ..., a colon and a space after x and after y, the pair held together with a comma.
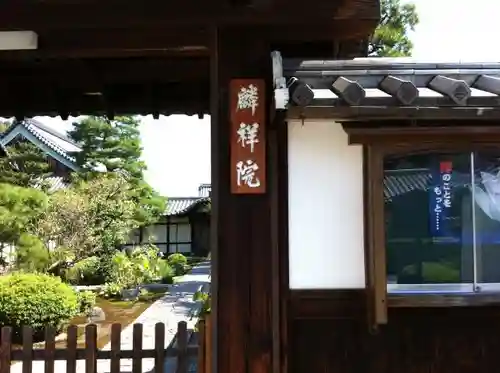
x: 182, y: 359
x: 5, y: 348
x: 50, y: 349
x: 27, y: 349
x: 116, y: 337
x: 159, y: 347
x: 208, y: 344
x: 71, y: 346
x: 91, y: 348
x: 137, y: 348
x: 201, y: 346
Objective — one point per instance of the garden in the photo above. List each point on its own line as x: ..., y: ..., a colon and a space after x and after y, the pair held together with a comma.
x: 95, y: 290
x: 61, y: 256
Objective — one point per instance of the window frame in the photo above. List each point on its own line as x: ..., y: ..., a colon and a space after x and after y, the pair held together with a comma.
x: 380, y: 140
x: 175, y: 242
x: 171, y: 240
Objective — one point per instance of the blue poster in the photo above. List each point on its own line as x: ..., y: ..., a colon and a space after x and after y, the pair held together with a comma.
x: 440, y: 197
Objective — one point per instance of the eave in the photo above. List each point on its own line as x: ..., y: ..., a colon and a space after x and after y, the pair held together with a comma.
x: 152, y: 57
x: 381, y: 89
x: 24, y: 130
x: 117, y: 14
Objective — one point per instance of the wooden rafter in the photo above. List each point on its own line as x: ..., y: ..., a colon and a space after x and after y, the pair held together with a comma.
x: 158, y: 13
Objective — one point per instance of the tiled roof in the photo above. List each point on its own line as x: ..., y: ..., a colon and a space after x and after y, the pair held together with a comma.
x: 405, y: 182
x: 59, y: 143
x: 204, y: 190
x: 395, y: 185
x: 55, y: 183
x: 182, y: 205
x: 379, y: 83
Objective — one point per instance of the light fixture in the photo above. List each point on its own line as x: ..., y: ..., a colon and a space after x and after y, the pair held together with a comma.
x: 18, y: 40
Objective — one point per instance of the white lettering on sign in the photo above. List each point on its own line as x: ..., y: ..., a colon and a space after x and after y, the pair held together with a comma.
x: 248, y: 135
x: 248, y: 98
x: 246, y: 173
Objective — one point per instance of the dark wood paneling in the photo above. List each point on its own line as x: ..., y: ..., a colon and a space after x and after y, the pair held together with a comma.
x: 118, y: 14
x: 327, y: 304
x: 458, y: 340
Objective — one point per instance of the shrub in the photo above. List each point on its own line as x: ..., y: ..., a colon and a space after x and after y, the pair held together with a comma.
x: 132, y: 268
x: 165, y: 272
x: 112, y: 290
x: 86, y: 301
x: 31, y: 254
x: 89, y: 271
x: 37, y: 300
x: 178, y: 262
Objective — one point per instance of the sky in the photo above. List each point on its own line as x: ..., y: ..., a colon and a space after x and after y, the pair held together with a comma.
x: 177, y: 148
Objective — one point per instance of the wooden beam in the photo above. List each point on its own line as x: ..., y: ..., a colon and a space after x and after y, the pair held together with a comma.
x: 348, y: 90
x: 403, y: 90
x: 54, y: 99
x: 244, y: 267
x: 181, y: 41
x: 115, y: 14
x: 108, y: 71
x: 347, y: 113
x: 456, y: 90
x: 107, y: 42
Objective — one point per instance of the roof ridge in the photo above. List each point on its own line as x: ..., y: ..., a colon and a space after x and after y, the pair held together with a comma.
x: 52, y: 131
x: 34, y: 130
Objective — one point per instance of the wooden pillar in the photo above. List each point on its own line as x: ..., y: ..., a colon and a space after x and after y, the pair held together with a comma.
x: 241, y: 224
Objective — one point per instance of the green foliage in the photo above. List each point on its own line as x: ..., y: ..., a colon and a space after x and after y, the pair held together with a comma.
x: 165, y: 272
x: 178, y: 262
x: 20, y: 208
x: 90, y: 218
x: 31, y: 254
x: 391, y: 36
x: 205, y: 299
x: 4, y: 125
x: 116, y: 145
x: 36, y: 300
x: 111, y: 290
x: 26, y: 165
x: 132, y: 269
x: 86, y: 301
x: 88, y: 271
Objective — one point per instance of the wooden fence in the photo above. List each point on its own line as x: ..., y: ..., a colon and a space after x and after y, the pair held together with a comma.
x: 205, y: 345
x: 27, y: 354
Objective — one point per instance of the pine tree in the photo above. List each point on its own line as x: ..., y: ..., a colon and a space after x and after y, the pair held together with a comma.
x: 115, y: 146
x: 391, y: 37
x: 26, y: 165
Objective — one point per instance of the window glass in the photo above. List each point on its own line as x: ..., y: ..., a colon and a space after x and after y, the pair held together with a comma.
x: 428, y: 222
x: 486, y: 210
x: 184, y: 248
x: 155, y: 233
x: 183, y: 233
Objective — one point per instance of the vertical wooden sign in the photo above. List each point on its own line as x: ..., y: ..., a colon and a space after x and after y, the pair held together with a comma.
x: 248, y: 136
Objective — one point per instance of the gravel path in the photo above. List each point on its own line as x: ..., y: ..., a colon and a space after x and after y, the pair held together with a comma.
x: 177, y: 305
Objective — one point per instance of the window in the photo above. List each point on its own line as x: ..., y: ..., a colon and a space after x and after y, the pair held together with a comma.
x: 180, y: 238
x: 442, y: 221
x: 155, y: 233
x: 432, y: 213
x: 169, y: 237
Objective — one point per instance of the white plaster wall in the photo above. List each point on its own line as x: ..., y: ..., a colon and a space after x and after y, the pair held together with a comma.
x: 325, y: 175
